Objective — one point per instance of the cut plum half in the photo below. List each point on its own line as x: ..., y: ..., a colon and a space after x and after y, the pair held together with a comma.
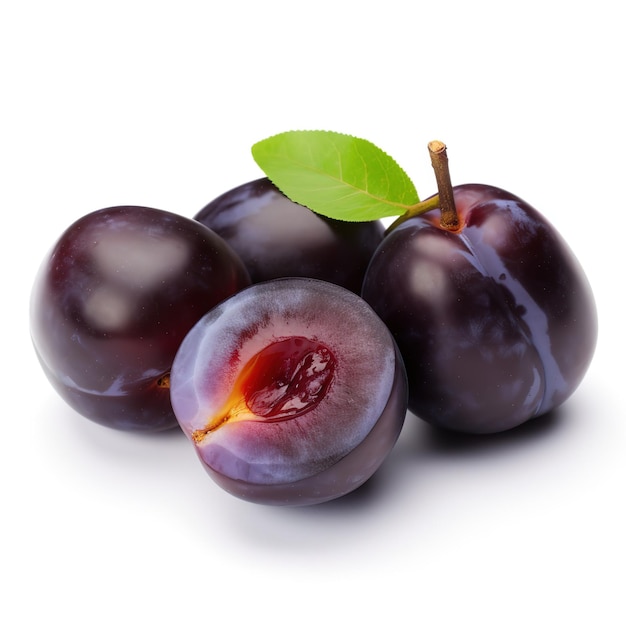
x: 292, y: 391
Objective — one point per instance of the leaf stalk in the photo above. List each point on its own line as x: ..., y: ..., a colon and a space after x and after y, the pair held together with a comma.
x: 417, y: 209
x: 444, y: 200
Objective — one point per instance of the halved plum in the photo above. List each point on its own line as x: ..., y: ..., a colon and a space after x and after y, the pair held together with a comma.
x: 292, y: 391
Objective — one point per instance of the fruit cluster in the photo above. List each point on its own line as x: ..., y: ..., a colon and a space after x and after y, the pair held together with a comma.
x: 288, y: 344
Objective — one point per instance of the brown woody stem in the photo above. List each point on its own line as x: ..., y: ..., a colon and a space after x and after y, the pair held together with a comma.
x: 439, y: 160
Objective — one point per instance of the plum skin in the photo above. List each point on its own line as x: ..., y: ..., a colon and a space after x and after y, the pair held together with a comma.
x: 496, y: 322
x: 332, y: 447
x: 278, y: 238
x: 111, y: 303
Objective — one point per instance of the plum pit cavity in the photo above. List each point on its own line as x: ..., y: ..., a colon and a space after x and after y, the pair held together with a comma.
x: 284, y: 380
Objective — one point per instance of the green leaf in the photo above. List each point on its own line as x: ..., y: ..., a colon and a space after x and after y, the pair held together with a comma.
x: 336, y: 175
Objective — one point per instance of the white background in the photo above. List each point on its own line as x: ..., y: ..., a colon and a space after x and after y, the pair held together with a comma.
x: 158, y: 103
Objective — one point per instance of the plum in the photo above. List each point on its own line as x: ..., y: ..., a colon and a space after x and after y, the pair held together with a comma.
x: 493, y: 315
x: 292, y: 391
x: 113, y: 300
x: 278, y: 238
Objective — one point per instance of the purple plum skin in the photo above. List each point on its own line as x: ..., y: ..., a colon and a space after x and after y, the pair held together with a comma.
x: 112, y: 302
x: 278, y: 238
x: 332, y: 447
x: 496, y: 322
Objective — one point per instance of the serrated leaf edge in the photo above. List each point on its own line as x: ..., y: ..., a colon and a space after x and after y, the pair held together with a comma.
x: 357, y: 190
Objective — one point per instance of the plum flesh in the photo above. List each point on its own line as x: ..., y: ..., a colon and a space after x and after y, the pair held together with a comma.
x: 278, y: 238
x: 292, y: 391
x: 113, y: 300
x: 496, y: 322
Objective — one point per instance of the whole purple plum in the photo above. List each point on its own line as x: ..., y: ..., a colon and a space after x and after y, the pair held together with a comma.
x: 495, y: 319
x: 113, y: 300
x: 278, y: 238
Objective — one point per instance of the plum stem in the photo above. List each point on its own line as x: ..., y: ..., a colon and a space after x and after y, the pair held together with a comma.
x: 439, y: 159
x: 164, y: 381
